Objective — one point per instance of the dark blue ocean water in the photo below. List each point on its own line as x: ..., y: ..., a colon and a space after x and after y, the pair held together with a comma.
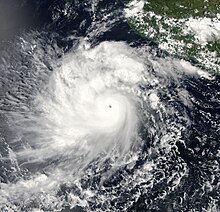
x: 198, y: 150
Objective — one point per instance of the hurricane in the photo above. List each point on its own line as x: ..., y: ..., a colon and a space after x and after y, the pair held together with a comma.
x: 95, y: 118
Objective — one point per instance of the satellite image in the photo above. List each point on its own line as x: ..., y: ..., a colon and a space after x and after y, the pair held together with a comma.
x: 109, y: 105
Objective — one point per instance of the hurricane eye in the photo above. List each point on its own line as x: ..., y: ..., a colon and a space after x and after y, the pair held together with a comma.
x: 110, y: 106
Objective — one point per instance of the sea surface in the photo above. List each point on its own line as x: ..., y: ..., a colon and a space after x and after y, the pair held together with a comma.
x: 94, y: 117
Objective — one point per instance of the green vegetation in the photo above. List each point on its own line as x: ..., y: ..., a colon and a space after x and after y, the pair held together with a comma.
x: 188, y: 29
x: 182, y: 8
